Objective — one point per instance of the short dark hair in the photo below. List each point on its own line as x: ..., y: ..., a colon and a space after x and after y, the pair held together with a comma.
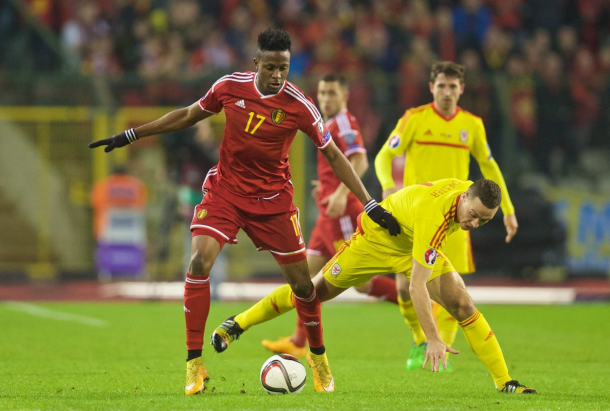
x: 274, y: 39
x: 338, y: 77
x: 488, y: 192
x: 448, y: 68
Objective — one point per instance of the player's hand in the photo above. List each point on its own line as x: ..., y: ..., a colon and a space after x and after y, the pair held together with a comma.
x: 316, y: 189
x: 387, y: 192
x: 510, y: 222
x: 382, y: 217
x: 116, y: 141
x: 435, y: 353
x: 336, y: 204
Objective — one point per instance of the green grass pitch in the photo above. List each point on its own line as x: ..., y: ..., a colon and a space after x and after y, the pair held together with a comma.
x: 134, y: 359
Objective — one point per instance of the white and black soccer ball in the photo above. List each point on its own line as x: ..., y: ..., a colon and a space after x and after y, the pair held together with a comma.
x: 283, y: 374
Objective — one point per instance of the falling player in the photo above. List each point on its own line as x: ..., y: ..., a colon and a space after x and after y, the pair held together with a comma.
x: 427, y: 213
x: 250, y: 188
x: 338, y: 208
x: 438, y: 139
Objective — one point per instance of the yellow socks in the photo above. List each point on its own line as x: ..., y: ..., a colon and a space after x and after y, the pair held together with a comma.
x: 408, y: 312
x: 485, y: 345
x: 278, y: 302
x: 447, y: 326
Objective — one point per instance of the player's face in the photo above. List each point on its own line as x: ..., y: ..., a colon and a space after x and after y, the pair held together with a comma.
x: 446, y: 91
x: 472, y: 213
x: 332, y: 98
x: 272, y: 68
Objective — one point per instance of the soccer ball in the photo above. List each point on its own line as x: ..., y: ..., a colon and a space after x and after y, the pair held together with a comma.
x: 283, y: 374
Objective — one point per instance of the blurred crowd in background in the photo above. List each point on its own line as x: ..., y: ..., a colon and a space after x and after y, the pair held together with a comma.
x: 552, y: 57
x: 537, y: 72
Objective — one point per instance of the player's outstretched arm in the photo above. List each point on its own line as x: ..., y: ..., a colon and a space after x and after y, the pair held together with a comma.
x: 172, y: 121
x: 346, y: 173
x: 435, y: 351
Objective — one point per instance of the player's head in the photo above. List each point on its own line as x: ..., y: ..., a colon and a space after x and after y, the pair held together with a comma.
x: 446, y: 84
x: 272, y: 60
x: 478, y: 204
x: 332, y: 94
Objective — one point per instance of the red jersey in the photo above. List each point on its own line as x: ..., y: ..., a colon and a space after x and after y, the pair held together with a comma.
x: 258, y: 134
x: 345, y: 131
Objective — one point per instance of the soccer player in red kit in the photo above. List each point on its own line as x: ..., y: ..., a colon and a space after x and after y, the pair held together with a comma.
x: 338, y: 207
x: 250, y: 188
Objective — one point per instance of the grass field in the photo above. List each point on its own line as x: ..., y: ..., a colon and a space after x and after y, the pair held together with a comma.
x: 130, y: 356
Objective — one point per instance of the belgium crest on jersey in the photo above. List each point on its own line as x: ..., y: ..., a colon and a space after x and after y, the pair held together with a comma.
x: 277, y: 116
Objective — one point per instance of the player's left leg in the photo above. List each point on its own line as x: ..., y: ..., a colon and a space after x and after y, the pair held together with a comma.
x: 449, y: 290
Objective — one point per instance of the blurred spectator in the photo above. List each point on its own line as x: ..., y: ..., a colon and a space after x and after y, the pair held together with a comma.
x: 522, y: 101
x: 443, y: 39
x: 80, y: 31
x: 477, y: 96
x: 585, y: 83
x: 555, y: 108
x: 496, y: 48
x: 471, y: 19
x: 567, y: 43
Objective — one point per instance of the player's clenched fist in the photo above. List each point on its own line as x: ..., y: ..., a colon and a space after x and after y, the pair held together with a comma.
x: 382, y: 217
x: 119, y: 140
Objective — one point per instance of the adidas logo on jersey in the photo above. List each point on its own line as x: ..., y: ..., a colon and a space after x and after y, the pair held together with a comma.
x: 241, y: 104
x: 428, y: 133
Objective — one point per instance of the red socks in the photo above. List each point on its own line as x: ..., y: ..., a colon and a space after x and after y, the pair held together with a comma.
x: 300, y: 334
x: 308, y: 309
x: 196, y: 309
x: 384, y: 288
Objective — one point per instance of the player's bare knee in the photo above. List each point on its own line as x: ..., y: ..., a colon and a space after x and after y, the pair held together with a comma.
x: 302, y: 288
x: 463, y: 308
x: 404, y: 294
x: 200, y: 265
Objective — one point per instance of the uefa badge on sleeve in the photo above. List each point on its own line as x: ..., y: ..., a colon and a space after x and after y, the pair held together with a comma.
x: 326, y: 137
x: 394, y: 141
x: 335, y: 270
x: 430, y: 256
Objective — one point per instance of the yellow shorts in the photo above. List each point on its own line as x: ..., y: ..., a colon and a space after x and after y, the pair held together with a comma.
x: 459, y: 250
x: 357, y: 261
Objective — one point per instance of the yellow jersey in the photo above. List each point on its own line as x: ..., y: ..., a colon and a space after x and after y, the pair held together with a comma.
x: 426, y: 214
x: 438, y: 147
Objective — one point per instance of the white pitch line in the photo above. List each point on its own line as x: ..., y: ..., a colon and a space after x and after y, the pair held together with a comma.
x: 54, y: 315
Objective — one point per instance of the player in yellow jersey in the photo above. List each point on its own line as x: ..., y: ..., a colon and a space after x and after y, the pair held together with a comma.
x: 438, y: 140
x: 428, y: 213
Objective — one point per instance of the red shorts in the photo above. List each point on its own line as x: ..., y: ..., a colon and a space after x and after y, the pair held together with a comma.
x: 330, y: 233
x: 271, y: 223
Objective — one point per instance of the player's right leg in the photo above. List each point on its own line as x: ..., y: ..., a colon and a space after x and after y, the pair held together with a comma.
x: 296, y: 344
x: 449, y: 290
x: 215, y: 222
x: 204, y: 250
